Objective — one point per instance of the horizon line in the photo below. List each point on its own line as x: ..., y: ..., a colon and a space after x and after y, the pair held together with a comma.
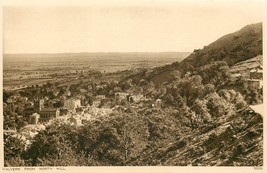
x: 98, y: 52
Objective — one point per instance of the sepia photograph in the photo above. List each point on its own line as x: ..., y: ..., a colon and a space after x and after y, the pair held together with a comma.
x: 151, y: 83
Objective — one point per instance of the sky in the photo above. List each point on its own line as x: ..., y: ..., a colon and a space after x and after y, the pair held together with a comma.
x: 154, y: 27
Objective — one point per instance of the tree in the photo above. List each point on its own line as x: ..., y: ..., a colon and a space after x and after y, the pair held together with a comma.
x: 6, y: 95
x: 208, y: 88
x: 56, y: 143
x: 219, y: 107
x: 254, y: 96
x: 162, y: 125
x: 58, y: 104
x: 202, y: 112
x: 189, y: 117
x: 216, y: 73
x: 239, y: 101
x: 13, y: 151
x: 191, y: 88
x: 114, y: 141
x: 233, y: 97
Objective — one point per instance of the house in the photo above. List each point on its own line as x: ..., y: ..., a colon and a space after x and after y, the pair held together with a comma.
x: 73, y: 71
x: 83, y: 90
x: 14, y: 98
x: 98, y: 100
x: 135, y: 97
x: 75, y: 120
x: 56, y: 93
x: 63, y: 111
x: 10, y: 131
x: 100, y: 111
x: 118, y: 108
x: 67, y: 93
x: 34, y: 118
x: 96, y: 103
x: 249, y: 69
x: 89, y: 87
x: 29, y: 110
x: 71, y: 104
x: 10, y: 100
x: 255, y: 83
x: 100, y: 97
x: 18, y: 87
x: 78, y: 120
x: 256, y: 73
x: 83, y: 100
x: 23, y: 99
x: 236, y: 74
x: 256, y: 77
x: 33, y: 76
x: 158, y: 103
x: 121, y: 96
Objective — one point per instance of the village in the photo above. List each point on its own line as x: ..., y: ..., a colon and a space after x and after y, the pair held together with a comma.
x: 75, y: 110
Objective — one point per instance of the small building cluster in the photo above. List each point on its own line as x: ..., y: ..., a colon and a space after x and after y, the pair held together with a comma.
x: 256, y: 77
x: 72, y: 104
x: 46, y: 113
x: 251, y: 70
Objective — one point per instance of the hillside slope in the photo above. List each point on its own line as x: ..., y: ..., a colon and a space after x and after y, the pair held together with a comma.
x: 237, y: 141
x: 232, y: 48
x: 228, y: 139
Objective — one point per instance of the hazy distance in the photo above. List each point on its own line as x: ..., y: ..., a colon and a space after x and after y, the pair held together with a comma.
x: 179, y: 27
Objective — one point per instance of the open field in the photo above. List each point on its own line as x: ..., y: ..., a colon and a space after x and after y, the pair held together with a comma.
x: 18, y: 67
x: 8, y: 84
x: 109, y: 62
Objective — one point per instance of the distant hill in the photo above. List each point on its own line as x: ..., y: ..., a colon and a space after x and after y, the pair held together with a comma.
x: 97, y: 56
x: 232, y: 48
x: 105, y: 62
